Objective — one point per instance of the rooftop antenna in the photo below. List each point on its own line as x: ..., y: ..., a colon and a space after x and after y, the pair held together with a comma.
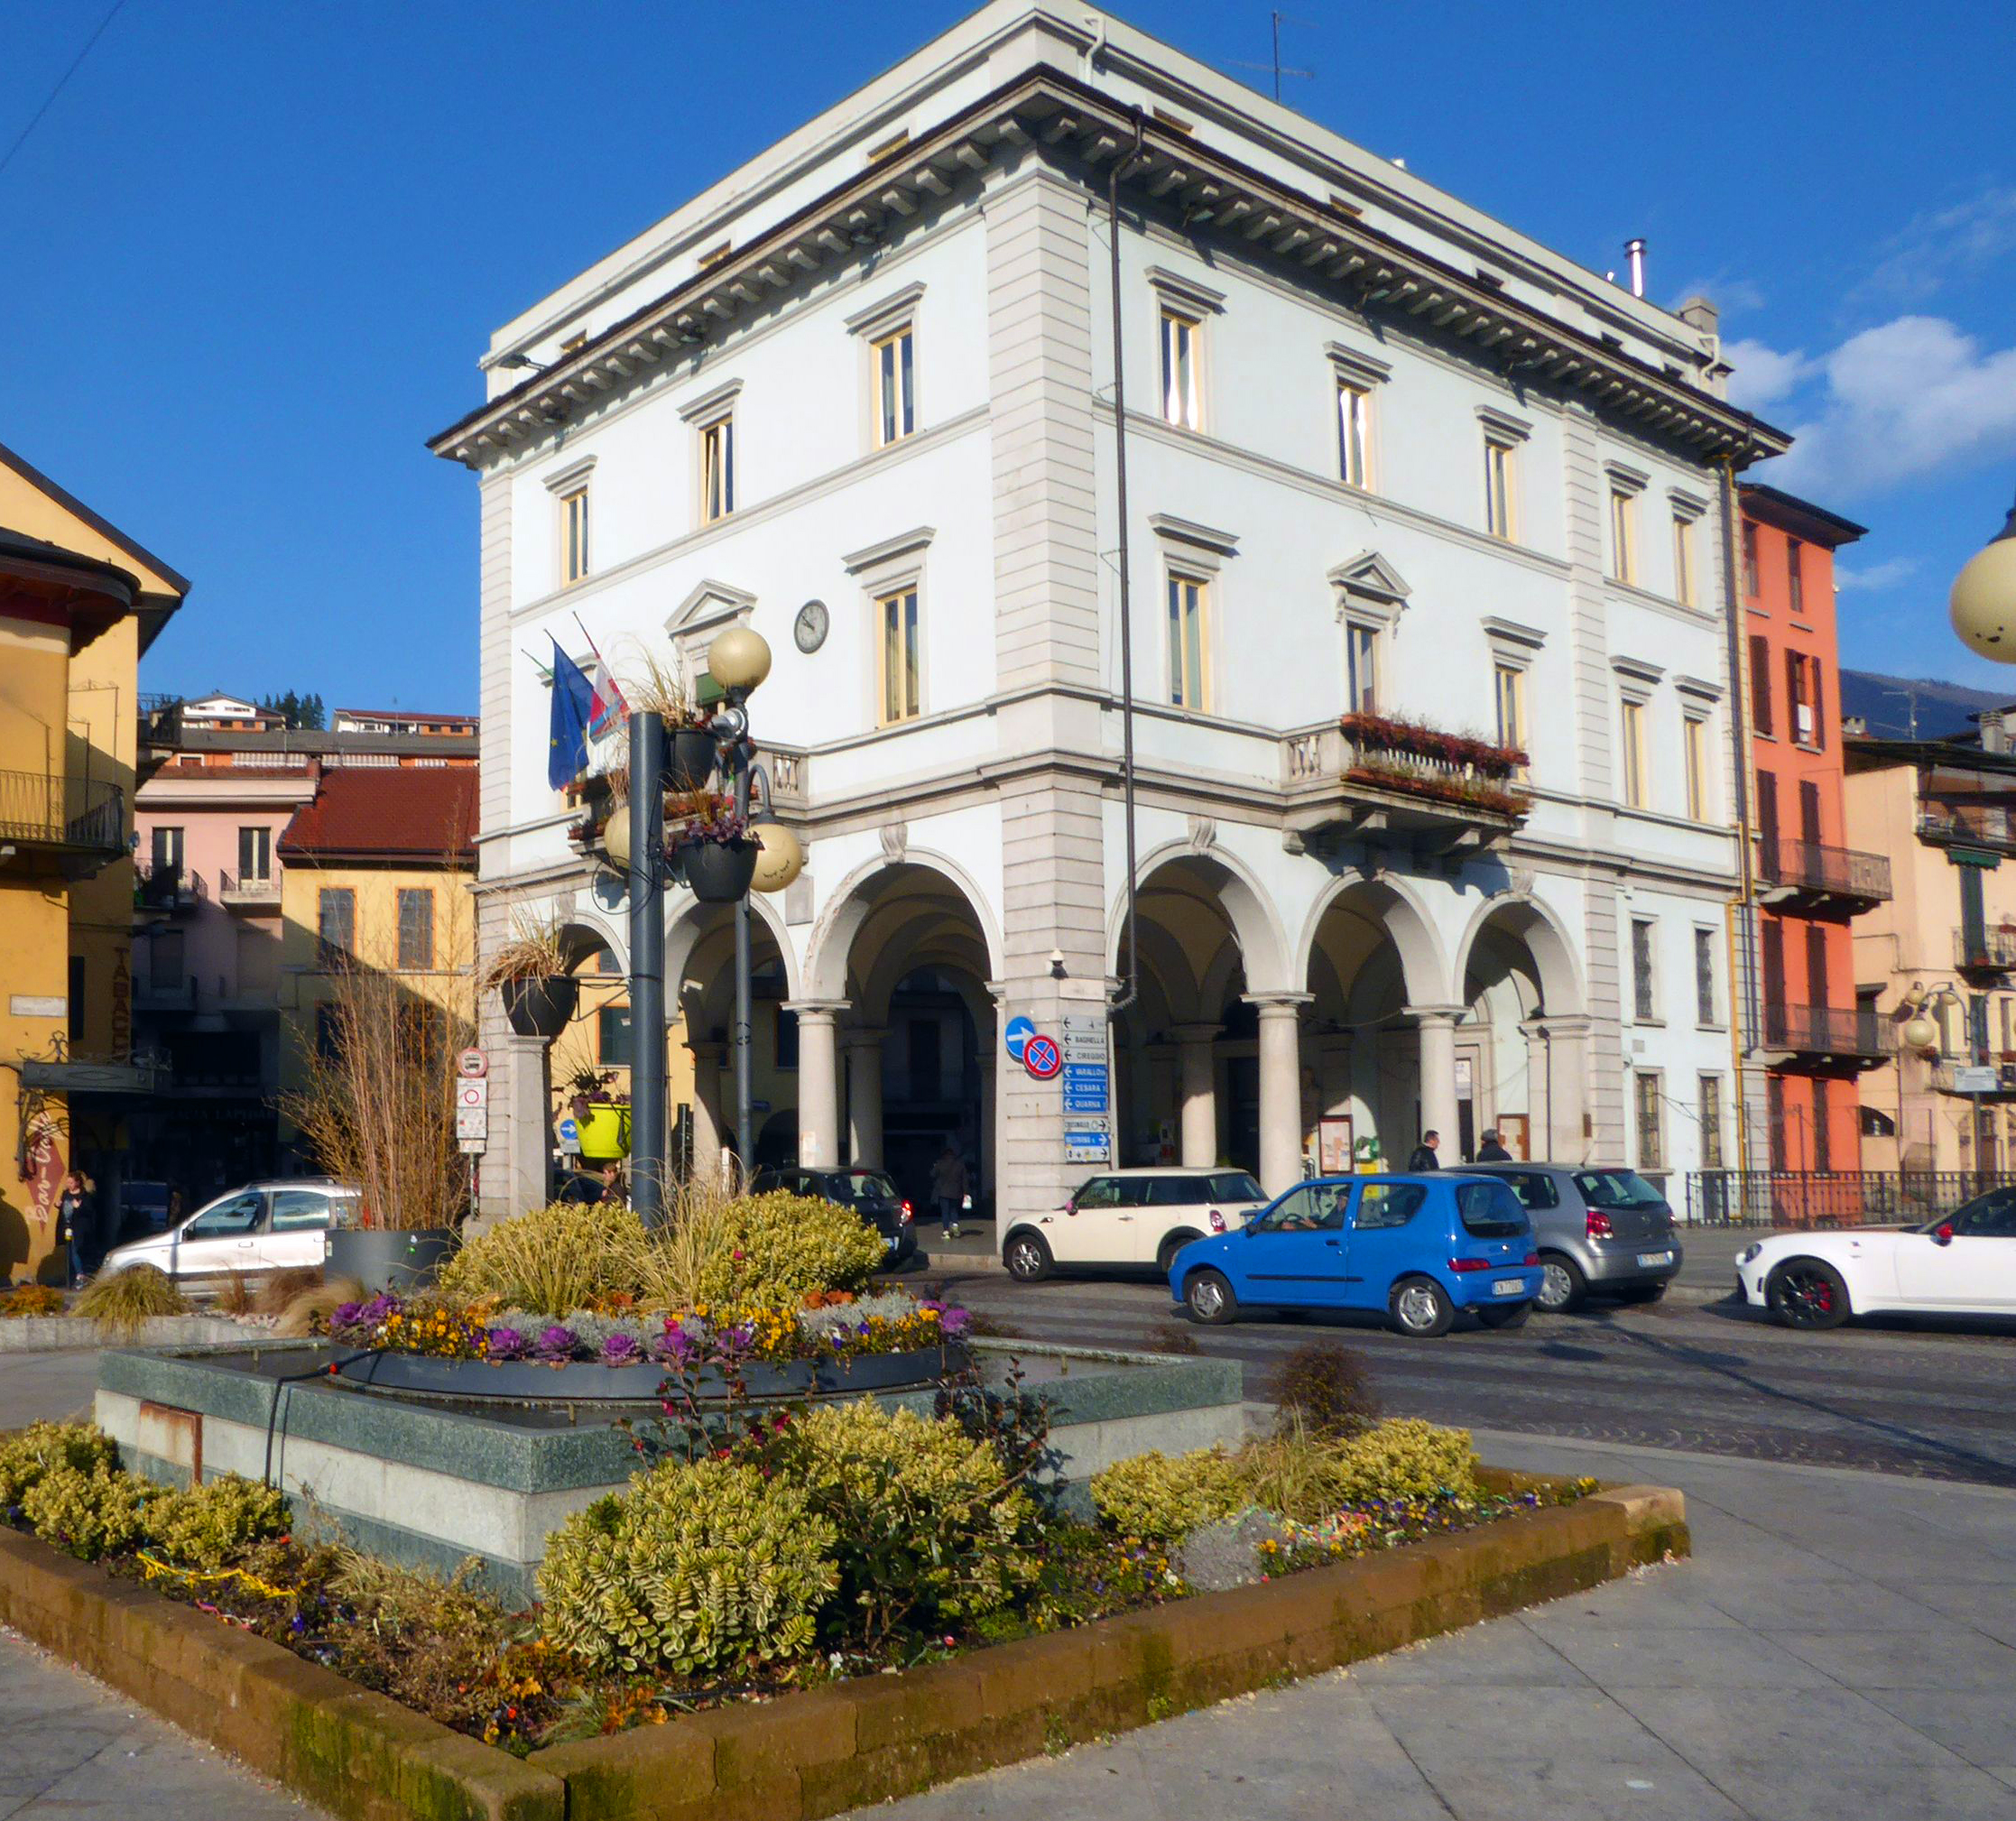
x: 1277, y: 66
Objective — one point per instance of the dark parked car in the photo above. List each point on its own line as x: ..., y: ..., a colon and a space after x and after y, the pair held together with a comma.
x: 872, y: 1194
x: 1598, y: 1228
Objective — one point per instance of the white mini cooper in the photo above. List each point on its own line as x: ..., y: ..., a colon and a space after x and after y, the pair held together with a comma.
x: 1140, y: 1217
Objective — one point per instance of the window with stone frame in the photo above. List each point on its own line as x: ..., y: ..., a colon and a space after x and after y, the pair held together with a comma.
x: 1650, y: 1120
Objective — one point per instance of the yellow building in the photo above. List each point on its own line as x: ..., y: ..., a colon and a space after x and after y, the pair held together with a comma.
x: 79, y: 603
x: 375, y: 874
x: 1945, y: 945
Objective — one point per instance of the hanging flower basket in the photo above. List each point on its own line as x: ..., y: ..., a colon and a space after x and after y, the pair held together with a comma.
x: 541, y: 1006
x: 688, y: 758
x: 719, y: 872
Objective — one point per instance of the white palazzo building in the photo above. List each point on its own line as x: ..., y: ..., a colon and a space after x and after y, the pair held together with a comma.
x: 1386, y: 457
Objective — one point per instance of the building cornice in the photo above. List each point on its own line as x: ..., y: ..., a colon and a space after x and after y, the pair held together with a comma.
x: 1062, y: 117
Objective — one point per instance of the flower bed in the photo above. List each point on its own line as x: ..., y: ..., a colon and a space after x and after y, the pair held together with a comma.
x: 824, y: 1326
x: 785, y: 1550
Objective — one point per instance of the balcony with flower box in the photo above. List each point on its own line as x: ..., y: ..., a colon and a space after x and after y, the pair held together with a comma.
x: 1377, y: 776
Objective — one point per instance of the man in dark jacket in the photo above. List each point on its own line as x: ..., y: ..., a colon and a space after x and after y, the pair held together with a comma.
x: 1493, y: 1150
x: 1424, y: 1156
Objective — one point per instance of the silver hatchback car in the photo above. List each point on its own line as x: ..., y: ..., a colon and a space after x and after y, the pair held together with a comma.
x: 1597, y: 1228
x: 273, y: 1226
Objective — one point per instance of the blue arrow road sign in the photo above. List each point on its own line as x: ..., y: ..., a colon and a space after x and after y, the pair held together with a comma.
x: 1084, y: 1099
x: 1084, y: 1074
x: 1017, y: 1032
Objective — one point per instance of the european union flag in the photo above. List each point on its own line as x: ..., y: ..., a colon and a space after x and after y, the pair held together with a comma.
x: 566, y: 749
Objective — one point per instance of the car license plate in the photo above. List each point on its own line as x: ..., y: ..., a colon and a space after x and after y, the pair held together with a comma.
x: 1647, y: 1259
x: 1508, y: 1286
x: 889, y: 1240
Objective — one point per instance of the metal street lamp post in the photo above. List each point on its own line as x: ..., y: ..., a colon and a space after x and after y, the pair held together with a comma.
x: 739, y: 659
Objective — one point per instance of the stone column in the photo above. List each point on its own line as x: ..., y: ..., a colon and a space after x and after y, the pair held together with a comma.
x: 1435, y: 1027
x: 1281, y: 1088
x: 982, y: 1189
x: 1566, y: 1064
x: 864, y: 1047
x: 708, y: 1136
x: 818, y: 1081
x: 1196, y: 1094
x: 1539, y: 1089
x: 525, y: 1158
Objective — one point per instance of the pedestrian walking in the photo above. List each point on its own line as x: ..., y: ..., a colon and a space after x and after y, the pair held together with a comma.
x: 1493, y: 1150
x: 948, y: 1190
x: 1424, y: 1157
x: 71, y: 1215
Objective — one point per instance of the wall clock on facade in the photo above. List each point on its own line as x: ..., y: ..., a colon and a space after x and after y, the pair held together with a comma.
x: 810, y: 629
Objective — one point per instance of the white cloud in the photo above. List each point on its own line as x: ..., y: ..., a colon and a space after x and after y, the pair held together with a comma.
x: 1763, y: 375
x: 1895, y: 403
x: 1940, y: 245
x: 1886, y: 575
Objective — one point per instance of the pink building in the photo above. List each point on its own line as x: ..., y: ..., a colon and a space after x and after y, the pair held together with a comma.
x: 207, y: 972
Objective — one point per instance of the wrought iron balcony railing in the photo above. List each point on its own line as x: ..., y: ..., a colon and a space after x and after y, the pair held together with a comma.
x: 82, y: 817
x: 1809, y: 866
x: 1828, y: 1030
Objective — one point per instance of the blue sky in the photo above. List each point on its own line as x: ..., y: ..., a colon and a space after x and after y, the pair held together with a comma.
x: 254, y: 250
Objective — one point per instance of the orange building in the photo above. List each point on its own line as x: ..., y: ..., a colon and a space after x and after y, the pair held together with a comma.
x: 1812, y: 1031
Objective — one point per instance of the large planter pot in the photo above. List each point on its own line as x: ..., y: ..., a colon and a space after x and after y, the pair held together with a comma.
x: 605, y: 1133
x: 386, y: 1258
x: 719, y: 872
x: 590, y: 1382
x: 689, y: 756
x: 541, y: 1007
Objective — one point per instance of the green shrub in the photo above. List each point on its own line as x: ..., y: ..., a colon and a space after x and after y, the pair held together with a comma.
x: 695, y: 1568
x: 88, y: 1514
x: 550, y: 1261
x: 25, y: 1458
x: 206, y: 1526
x: 1407, y: 1458
x: 119, y: 1301
x: 929, y: 1526
x: 1163, y: 1498
x: 774, y: 1248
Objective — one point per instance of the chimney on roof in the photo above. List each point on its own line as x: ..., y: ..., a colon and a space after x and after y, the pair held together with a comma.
x: 1634, y: 250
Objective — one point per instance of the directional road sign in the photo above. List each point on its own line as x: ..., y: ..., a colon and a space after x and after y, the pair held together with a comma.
x: 1016, y: 1033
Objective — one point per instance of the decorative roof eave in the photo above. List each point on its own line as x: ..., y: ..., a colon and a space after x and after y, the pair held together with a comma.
x: 1062, y: 114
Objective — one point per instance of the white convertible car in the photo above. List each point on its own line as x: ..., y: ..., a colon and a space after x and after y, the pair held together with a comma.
x: 1961, y: 1263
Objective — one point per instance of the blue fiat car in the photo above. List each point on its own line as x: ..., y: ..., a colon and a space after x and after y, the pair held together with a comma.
x: 1418, y: 1247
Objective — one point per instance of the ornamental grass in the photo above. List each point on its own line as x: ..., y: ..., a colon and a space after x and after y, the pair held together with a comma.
x: 121, y: 1300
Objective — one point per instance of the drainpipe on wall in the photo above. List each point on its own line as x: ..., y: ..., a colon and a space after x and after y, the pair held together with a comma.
x: 1130, y: 986
x: 1742, y: 1021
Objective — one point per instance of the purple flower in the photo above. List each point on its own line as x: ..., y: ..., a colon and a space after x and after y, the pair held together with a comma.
x: 508, y: 1342
x: 554, y: 1343
x: 346, y: 1314
x: 621, y: 1349
x: 674, y: 1345
x: 380, y: 1306
x: 955, y: 1322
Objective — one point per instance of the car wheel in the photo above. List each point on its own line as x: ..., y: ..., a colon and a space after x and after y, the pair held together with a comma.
x: 1028, y: 1257
x: 1420, y: 1307
x: 1208, y: 1296
x: 1505, y: 1315
x: 1174, y: 1244
x: 1803, y: 1292
x: 1562, y: 1284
